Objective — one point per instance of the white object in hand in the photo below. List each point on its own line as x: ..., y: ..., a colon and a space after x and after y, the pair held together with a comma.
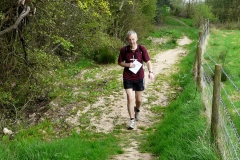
x: 137, y: 64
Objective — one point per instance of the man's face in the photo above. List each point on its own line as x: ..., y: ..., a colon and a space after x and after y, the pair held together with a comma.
x: 132, y: 39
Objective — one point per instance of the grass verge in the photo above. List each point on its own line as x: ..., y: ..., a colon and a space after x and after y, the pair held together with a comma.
x: 184, y: 133
x: 77, y: 146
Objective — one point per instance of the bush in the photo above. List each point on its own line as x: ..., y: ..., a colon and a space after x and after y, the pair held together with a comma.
x: 202, y: 11
x: 228, y: 26
x: 105, y: 56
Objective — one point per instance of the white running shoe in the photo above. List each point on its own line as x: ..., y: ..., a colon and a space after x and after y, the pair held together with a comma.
x: 136, y: 114
x: 132, y: 124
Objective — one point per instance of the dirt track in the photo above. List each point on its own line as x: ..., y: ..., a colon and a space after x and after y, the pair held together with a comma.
x: 111, y: 117
x: 110, y: 113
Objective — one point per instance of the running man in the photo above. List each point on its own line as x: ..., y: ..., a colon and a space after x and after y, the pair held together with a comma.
x: 133, y: 80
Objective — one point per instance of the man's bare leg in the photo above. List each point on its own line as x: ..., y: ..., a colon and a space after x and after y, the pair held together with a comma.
x: 130, y: 102
x: 138, y: 96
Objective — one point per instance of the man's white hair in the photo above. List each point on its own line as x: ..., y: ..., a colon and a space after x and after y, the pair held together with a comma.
x: 131, y: 32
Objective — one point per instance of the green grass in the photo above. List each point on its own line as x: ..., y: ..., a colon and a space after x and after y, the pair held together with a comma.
x: 184, y: 133
x: 186, y: 22
x: 40, y: 141
x: 181, y: 135
x: 173, y: 30
x: 77, y: 146
x: 223, y: 47
x: 83, y: 83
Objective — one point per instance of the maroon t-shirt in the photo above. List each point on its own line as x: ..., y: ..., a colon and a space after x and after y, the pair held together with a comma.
x: 140, y: 54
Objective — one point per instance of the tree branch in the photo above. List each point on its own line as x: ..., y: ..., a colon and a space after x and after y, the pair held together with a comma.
x: 120, y: 7
x: 15, y: 25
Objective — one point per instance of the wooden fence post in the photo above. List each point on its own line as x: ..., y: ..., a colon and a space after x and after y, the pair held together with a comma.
x: 195, y: 66
x: 199, y: 73
x: 216, y: 103
x: 198, y: 60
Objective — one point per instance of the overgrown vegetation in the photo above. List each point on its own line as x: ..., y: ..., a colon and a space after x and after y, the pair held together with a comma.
x: 226, y: 11
x: 56, y: 139
x: 57, y: 34
x: 54, y: 33
x: 51, y: 57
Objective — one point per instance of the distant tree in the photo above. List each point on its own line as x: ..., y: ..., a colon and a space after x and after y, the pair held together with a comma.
x: 225, y: 10
x: 163, y: 9
x: 137, y: 15
x: 201, y: 11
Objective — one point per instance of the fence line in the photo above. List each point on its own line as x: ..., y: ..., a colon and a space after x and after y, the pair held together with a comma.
x: 227, y: 134
x: 231, y: 81
x: 231, y: 101
x: 228, y: 77
x: 225, y: 73
x: 229, y: 138
x: 229, y: 118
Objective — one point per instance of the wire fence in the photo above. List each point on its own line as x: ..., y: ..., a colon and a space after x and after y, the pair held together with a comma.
x: 228, y: 129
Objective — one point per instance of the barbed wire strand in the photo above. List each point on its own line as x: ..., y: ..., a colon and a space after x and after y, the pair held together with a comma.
x: 228, y: 97
x: 228, y: 137
x: 208, y: 66
x: 231, y: 81
x: 228, y: 148
x: 208, y: 90
x: 207, y: 77
x: 224, y: 73
x: 230, y: 119
x: 231, y: 146
x: 210, y: 57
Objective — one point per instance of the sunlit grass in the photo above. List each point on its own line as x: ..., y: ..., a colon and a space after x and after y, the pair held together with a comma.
x: 77, y: 146
x: 73, y: 85
x: 223, y: 48
x: 183, y: 133
x: 173, y: 31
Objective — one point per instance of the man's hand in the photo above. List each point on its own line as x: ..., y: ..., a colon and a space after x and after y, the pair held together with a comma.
x: 151, y: 75
x: 131, y: 65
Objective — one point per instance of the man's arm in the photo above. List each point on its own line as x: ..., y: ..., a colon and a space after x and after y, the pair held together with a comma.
x: 149, y: 66
x: 150, y: 69
x: 121, y: 60
x: 123, y: 64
